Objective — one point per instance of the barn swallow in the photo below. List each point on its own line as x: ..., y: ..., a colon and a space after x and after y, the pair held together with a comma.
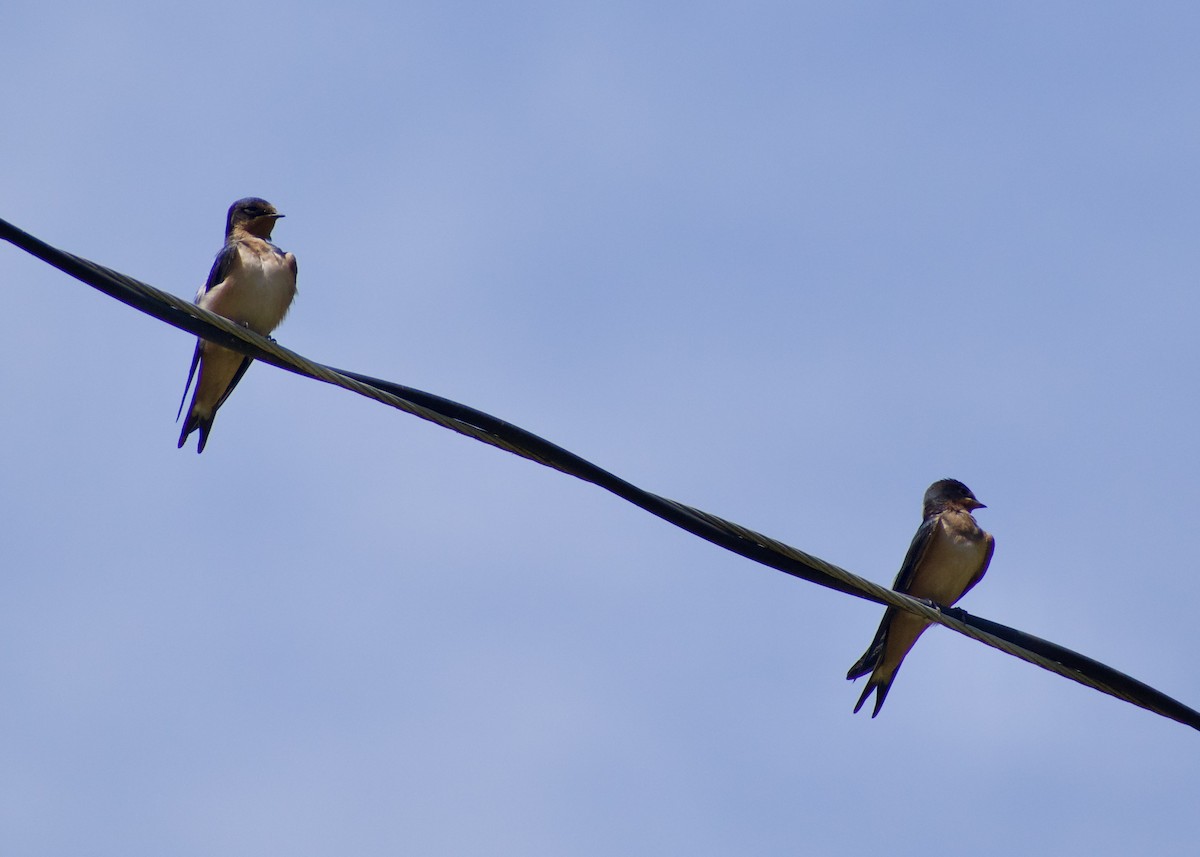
x: 948, y: 555
x: 252, y: 282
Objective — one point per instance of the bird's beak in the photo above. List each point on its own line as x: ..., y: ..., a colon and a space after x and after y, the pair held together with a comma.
x: 978, y: 505
x: 276, y: 216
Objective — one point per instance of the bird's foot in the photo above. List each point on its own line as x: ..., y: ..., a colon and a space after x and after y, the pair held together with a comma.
x: 953, y: 612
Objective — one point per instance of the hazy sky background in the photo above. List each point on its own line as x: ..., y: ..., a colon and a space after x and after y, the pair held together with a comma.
x: 786, y: 262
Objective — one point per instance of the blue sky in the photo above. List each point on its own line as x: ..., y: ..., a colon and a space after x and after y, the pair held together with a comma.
x: 789, y: 263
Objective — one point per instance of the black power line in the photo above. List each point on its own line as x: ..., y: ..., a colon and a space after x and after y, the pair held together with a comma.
x: 497, y: 432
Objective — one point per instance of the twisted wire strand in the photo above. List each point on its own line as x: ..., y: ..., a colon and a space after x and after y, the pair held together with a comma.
x: 510, y: 438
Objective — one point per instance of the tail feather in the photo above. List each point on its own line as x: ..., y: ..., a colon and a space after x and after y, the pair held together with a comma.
x: 869, y: 663
x: 196, y: 422
x: 881, y: 689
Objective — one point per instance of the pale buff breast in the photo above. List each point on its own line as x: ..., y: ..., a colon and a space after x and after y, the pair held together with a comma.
x: 258, y: 291
x: 957, y: 551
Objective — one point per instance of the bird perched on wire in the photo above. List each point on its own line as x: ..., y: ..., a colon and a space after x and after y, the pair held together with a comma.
x: 252, y: 282
x: 948, y: 556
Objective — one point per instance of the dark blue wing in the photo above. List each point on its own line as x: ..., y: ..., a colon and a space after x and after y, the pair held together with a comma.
x: 220, y: 270
x: 221, y: 266
x: 191, y: 375
x: 916, y: 550
x: 912, y: 559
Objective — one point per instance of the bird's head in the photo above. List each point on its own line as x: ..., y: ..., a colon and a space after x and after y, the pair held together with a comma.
x: 253, y: 215
x: 950, y: 492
